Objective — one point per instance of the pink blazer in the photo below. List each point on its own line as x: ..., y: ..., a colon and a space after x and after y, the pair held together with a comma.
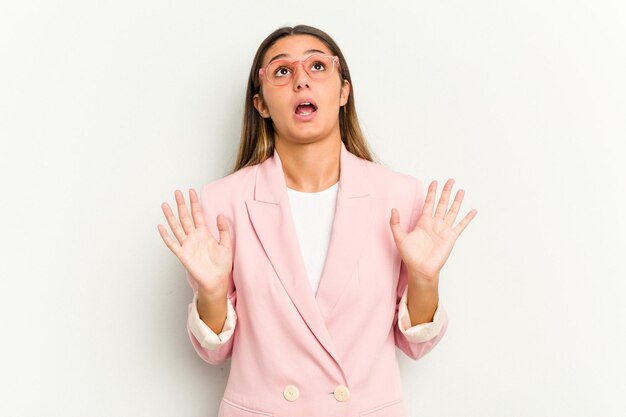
x: 300, y: 354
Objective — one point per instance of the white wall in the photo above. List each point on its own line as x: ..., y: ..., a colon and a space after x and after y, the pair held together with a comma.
x: 108, y: 107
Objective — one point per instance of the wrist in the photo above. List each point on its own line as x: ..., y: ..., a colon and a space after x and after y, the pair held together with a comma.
x: 423, y: 280
x: 212, y: 294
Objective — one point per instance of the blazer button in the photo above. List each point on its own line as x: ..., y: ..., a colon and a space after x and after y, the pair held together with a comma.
x: 291, y: 393
x: 342, y: 393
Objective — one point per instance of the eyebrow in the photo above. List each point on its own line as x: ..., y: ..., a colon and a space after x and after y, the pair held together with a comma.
x: 287, y: 55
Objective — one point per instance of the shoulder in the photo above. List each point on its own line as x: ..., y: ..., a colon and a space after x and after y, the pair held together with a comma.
x: 391, y: 181
x: 231, y: 187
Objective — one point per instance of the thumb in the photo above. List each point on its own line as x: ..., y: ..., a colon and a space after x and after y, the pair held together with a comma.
x: 224, y: 230
x: 396, y: 227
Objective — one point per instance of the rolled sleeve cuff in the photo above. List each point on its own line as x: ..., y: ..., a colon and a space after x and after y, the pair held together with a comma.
x: 208, y: 338
x: 420, y: 332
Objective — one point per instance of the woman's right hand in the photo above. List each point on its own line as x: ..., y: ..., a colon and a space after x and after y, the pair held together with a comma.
x: 208, y: 261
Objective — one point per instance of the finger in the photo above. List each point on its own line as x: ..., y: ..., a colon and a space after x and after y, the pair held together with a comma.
x: 396, y: 229
x: 458, y: 229
x: 183, y: 214
x: 224, y: 230
x: 196, y: 209
x: 442, y: 207
x: 454, y: 209
x: 173, y: 246
x: 430, y: 199
x: 173, y: 222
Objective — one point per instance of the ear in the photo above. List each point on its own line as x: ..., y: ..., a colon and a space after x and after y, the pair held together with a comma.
x: 345, y: 93
x: 260, y: 106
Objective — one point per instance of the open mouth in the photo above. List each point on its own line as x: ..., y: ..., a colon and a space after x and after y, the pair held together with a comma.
x: 305, y: 108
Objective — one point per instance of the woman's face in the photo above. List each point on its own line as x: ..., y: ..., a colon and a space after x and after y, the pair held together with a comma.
x: 279, y: 102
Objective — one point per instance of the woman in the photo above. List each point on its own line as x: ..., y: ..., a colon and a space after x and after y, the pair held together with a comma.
x: 308, y: 289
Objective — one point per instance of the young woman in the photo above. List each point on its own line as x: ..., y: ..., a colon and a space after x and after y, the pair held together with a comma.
x: 326, y: 261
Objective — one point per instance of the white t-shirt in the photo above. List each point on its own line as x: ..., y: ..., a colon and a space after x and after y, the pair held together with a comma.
x: 313, y: 215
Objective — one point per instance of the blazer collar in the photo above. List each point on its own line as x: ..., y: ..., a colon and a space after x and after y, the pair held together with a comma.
x: 271, y: 217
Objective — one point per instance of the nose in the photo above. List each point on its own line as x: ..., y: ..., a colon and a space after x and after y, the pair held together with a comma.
x: 301, y: 78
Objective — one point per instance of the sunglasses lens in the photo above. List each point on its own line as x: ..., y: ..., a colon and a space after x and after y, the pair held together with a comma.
x: 317, y: 66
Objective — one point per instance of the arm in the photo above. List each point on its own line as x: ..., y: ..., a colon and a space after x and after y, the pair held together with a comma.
x: 212, y: 347
x: 421, y: 332
x: 420, y: 339
x: 212, y: 309
x: 419, y: 321
x: 209, y: 315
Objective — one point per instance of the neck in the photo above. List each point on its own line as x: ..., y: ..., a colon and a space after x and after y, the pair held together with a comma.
x: 310, y: 167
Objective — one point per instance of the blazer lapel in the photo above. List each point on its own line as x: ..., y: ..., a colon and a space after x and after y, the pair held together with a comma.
x: 271, y: 217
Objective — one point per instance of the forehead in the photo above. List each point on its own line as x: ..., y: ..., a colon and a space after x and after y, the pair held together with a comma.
x: 294, y: 47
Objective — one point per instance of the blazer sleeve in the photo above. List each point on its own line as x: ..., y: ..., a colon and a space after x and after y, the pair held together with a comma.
x: 418, y: 340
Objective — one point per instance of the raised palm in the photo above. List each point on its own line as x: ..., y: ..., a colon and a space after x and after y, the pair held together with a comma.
x: 208, y: 261
x: 426, y: 248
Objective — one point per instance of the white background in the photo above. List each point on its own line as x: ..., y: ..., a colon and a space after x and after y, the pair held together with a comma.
x: 107, y: 107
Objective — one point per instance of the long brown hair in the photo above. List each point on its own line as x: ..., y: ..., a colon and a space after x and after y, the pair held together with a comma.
x: 257, y: 133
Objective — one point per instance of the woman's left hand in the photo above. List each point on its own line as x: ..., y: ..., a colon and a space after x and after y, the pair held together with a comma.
x: 426, y: 248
